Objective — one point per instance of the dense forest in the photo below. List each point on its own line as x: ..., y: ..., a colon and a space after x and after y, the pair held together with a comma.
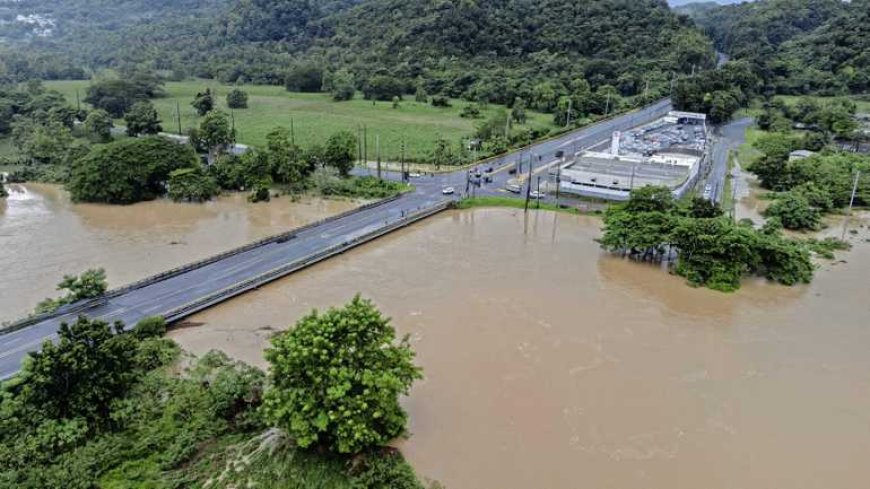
x: 487, y: 50
x: 796, y: 46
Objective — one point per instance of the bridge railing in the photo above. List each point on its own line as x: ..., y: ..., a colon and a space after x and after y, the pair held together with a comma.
x: 145, y: 282
x: 284, y: 270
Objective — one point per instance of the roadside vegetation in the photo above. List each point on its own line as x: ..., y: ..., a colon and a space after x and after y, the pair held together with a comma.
x: 108, y: 406
x: 89, y: 285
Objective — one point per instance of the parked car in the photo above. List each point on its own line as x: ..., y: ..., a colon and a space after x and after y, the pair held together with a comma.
x: 534, y: 194
x: 513, y: 188
x: 448, y: 191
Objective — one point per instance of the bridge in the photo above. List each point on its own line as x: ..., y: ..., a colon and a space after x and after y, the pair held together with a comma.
x: 179, y: 293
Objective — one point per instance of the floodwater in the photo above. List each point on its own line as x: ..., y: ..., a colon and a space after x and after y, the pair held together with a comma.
x: 551, y: 365
x: 44, y: 236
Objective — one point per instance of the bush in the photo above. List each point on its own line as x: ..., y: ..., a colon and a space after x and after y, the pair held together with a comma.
x: 794, y: 212
x: 385, y: 470
x: 358, y: 187
x: 192, y: 185
x: 237, y: 99
x: 440, y: 101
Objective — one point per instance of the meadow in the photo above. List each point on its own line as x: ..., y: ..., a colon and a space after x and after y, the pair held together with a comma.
x: 315, y: 116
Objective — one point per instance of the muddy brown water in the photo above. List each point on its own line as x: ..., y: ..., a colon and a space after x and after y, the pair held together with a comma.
x: 44, y: 236
x: 550, y: 365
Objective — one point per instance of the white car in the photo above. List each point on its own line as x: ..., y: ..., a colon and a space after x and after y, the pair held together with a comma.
x: 534, y: 194
x: 448, y: 191
x: 514, y: 188
x: 415, y: 175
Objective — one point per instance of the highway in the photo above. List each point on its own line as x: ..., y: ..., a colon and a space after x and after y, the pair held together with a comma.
x: 167, y: 296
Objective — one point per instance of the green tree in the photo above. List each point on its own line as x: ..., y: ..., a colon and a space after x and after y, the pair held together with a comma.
x: 192, y: 185
x: 337, y: 377
x: 90, y: 366
x: 470, y: 111
x: 237, y: 99
x: 89, y: 285
x: 340, y: 151
x: 142, y: 119
x: 342, y: 86
x: 288, y: 166
x: 51, y: 143
x: 518, y: 111
x: 98, y: 126
x: 382, y: 87
x: 203, y: 102
x: 128, y: 170
x: 215, y: 133
x: 117, y: 96
x: 794, y: 212
x: 305, y: 77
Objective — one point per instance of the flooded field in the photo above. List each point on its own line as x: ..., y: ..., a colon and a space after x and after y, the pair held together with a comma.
x: 550, y: 365
x: 44, y: 236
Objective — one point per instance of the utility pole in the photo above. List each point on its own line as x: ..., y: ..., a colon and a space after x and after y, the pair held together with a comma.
x: 851, y: 203
x: 538, y: 203
x: 178, y: 115
x: 403, y: 160
x: 378, y: 151
x: 529, y: 187
x: 366, y: 145
x: 607, y: 107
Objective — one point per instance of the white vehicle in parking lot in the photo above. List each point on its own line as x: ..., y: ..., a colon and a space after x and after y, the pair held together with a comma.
x: 534, y: 194
x: 448, y: 191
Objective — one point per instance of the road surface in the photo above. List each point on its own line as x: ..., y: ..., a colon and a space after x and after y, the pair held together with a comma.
x: 167, y: 295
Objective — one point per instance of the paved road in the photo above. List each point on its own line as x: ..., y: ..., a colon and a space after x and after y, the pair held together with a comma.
x: 728, y: 137
x: 162, y: 297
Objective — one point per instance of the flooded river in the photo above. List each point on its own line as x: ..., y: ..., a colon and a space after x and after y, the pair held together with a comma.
x: 44, y: 236
x: 550, y: 365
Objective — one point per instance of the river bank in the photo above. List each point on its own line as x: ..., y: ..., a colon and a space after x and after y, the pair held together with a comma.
x: 548, y: 362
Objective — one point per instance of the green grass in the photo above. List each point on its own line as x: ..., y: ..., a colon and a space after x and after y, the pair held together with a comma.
x: 513, y: 203
x: 747, y: 153
x: 316, y: 116
x: 863, y: 106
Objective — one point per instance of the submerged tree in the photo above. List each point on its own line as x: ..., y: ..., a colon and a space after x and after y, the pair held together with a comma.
x: 337, y: 377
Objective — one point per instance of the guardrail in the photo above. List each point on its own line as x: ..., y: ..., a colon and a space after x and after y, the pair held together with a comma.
x: 284, y: 270
x: 90, y: 303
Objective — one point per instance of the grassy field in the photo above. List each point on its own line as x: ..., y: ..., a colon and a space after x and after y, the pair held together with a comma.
x: 316, y: 116
x: 863, y: 106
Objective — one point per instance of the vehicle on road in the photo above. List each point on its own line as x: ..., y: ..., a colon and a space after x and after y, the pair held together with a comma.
x: 415, y: 175
x: 708, y: 191
x: 448, y: 191
x: 488, y: 169
x: 487, y: 179
x: 534, y: 194
x: 512, y: 187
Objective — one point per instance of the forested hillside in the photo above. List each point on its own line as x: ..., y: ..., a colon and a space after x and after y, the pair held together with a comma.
x: 627, y: 44
x: 796, y: 46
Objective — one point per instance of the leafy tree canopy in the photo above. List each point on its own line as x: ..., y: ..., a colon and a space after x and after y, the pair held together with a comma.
x: 336, y: 379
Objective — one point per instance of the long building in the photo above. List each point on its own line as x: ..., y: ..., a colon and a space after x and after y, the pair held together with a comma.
x: 669, y: 152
